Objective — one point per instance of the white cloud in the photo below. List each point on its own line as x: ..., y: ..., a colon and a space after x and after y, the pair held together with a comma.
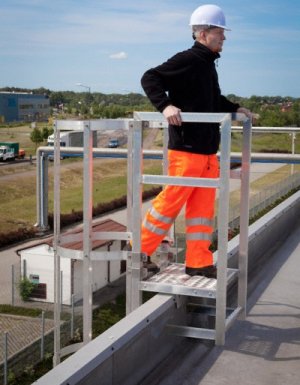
x: 119, y: 55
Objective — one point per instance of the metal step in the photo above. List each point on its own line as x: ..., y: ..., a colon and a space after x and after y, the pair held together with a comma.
x: 173, y: 280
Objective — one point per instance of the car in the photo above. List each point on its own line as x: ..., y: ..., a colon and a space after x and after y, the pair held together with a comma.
x: 113, y: 143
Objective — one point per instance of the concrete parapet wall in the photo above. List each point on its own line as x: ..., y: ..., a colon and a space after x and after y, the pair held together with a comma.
x: 128, y: 352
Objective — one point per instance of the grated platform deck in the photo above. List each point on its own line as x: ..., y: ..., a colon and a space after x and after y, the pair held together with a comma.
x: 173, y: 280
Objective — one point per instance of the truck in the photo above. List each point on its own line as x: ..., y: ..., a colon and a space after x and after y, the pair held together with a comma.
x: 113, y: 143
x: 11, y: 151
x: 70, y: 139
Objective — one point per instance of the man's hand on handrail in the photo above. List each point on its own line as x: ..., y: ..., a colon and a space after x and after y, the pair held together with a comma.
x: 248, y: 113
x: 172, y: 114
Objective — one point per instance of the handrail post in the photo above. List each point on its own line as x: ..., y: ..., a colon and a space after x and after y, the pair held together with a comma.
x: 135, y: 265
x: 56, y: 241
x: 223, y: 215
x: 244, y: 218
x: 130, y: 189
x: 87, y: 232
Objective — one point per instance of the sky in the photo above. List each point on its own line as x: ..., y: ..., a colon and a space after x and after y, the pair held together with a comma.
x: 107, y: 45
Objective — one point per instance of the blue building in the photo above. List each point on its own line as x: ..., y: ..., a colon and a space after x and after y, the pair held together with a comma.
x: 23, y: 107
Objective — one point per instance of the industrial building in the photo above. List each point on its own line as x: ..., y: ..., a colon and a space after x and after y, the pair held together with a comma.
x: 23, y: 107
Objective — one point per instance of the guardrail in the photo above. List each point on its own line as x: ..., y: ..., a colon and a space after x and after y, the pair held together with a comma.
x: 43, y: 152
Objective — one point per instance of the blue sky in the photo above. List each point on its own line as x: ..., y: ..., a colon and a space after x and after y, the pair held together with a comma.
x: 108, y: 45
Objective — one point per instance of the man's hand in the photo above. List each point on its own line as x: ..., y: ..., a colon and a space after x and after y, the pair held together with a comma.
x: 248, y: 113
x: 245, y: 111
x: 172, y: 114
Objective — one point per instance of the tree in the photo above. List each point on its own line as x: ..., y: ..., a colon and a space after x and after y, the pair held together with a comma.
x: 46, y: 131
x: 36, y: 137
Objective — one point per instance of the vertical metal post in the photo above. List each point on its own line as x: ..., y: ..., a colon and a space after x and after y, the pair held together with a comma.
x: 293, y: 135
x: 12, y: 285
x: 61, y: 290
x: 56, y: 241
x: 38, y: 188
x: 24, y: 275
x: 87, y: 232
x: 72, y: 316
x: 223, y: 216
x: 129, y: 214
x: 45, y: 165
x: 165, y: 150
x: 129, y: 176
x: 171, y: 231
x: 43, y: 336
x: 42, y: 190
x: 137, y: 166
x: 244, y: 218
x: 5, y: 358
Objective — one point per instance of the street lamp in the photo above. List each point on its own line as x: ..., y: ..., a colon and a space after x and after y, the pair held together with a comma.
x: 82, y: 85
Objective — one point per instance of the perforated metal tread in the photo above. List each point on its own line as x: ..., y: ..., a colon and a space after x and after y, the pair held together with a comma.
x: 173, y: 280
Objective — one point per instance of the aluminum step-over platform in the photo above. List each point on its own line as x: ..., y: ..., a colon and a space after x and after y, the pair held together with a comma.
x: 173, y: 279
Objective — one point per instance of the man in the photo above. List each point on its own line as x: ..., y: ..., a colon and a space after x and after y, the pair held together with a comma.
x: 188, y: 82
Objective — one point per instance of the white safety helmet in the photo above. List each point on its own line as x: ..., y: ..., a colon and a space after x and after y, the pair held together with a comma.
x: 210, y: 15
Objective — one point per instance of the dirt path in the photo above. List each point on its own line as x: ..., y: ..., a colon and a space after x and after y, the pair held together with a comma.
x: 150, y: 138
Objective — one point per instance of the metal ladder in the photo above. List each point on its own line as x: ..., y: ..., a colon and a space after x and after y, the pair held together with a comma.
x: 173, y: 280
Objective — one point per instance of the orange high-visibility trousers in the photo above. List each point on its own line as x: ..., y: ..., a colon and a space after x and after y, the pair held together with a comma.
x: 199, y: 210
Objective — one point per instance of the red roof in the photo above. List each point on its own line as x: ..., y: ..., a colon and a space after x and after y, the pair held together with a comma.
x: 104, y: 226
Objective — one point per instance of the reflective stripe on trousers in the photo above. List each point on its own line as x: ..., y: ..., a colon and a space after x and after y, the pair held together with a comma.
x: 199, y: 208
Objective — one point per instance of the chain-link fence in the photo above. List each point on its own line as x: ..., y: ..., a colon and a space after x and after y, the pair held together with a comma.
x: 27, y: 340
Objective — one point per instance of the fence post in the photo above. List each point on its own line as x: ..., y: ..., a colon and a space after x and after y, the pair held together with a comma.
x: 5, y: 357
x: 12, y: 285
x: 61, y: 290
x: 43, y: 336
x: 72, y: 316
x: 24, y: 269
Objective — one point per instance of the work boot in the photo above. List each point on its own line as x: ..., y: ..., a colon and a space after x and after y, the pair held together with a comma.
x: 206, y: 271
x: 150, y: 266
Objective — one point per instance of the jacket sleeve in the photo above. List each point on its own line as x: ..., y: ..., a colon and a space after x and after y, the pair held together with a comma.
x: 227, y: 106
x: 156, y: 81
x: 154, y: 88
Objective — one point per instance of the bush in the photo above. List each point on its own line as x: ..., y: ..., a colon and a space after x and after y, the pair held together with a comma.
x: 17, y: 236
x: 18, y: 310
x: 26, y: 287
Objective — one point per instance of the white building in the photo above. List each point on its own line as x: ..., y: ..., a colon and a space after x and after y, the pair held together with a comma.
x: 37, y: 264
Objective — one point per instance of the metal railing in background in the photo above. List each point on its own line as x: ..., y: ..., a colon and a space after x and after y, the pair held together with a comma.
x: 110, y: 124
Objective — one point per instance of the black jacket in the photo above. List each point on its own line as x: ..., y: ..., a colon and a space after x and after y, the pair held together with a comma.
x: 189, y: 81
